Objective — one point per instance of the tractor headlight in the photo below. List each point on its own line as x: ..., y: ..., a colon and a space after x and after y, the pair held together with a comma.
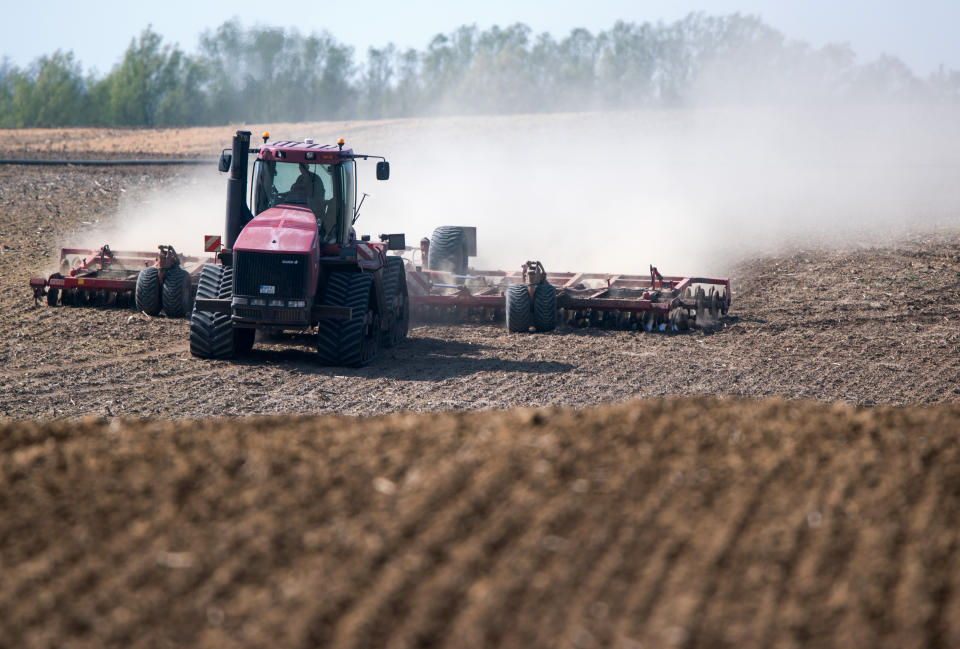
x: 240, y: 300
x: 297, y: 304
x: 276, y: 303
x: 258, y: 302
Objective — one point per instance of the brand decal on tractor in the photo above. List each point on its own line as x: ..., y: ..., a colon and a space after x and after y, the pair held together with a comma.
x: 269, y: 290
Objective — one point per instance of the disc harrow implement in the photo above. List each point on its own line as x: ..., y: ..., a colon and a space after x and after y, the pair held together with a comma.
x: 533, y: 299
x: 148, y: 281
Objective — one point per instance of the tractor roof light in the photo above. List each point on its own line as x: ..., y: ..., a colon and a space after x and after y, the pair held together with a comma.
x: 265, y: 136
x: 340, y: 143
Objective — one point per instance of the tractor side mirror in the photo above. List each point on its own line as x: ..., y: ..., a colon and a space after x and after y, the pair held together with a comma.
x: 225, y: 160
x: 395, y: 241
x: 383, y: 170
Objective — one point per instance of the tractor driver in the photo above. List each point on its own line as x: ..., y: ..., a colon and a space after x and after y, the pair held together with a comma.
x: 310, y: 185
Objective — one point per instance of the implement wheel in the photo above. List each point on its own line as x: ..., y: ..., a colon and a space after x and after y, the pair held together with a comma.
x: 148, y: 291
x: 53, y: 293
x: 545, y: 307
x: 519, y: 308
x: 176, y: 294
x: 448, y: 250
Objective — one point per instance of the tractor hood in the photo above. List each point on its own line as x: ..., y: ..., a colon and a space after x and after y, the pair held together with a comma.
x: 281, y: 229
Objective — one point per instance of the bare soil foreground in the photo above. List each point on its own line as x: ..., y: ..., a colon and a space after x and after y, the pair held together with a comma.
x: 867, y: 325
x: 675, y: 523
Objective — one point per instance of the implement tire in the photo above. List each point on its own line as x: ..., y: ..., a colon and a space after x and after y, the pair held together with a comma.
x: 176, y: 294
x: 354, y: 342
x: 448, y: 250
x: 53, y: 293
x: 212, y: 335
x: 519, y: 308
x: 148, y: 291
x: 545, y: 307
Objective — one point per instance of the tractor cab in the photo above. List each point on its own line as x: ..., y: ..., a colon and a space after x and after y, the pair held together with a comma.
x: 305, y: 176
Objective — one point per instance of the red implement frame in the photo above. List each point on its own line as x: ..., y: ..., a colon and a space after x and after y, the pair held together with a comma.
x: 575, y: 291
x: 110, y: 271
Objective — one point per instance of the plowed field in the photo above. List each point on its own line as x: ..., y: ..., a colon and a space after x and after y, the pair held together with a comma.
x: 802, y: 520
x: 867, y: 325
x: 688, y: 523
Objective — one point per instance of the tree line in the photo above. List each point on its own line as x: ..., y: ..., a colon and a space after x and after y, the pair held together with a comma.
x: 269, y: 74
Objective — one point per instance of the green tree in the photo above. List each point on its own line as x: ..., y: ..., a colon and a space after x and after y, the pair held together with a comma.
x: 52, y: 93
x: 146, y: 88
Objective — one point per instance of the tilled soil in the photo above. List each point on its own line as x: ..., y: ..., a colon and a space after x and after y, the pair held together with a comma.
x: 680, y: 522
x: 669, y: 523
x: 867, y: 325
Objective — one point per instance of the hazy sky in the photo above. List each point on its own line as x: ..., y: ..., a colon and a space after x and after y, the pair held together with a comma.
x: 923, y: 32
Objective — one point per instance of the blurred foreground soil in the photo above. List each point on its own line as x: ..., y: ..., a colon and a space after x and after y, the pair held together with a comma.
x: 673, y: 523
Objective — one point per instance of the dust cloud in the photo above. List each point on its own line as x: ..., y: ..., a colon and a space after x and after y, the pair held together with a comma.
x: 689, y: 190
x: 174, y: 210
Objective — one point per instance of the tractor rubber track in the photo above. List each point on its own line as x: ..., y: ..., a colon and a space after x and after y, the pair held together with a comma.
x: 212, y: 334
x: 340, y: 342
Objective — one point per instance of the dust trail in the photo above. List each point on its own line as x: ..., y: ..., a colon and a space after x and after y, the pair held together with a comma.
x: 178, y: 211
x: 690, y: 190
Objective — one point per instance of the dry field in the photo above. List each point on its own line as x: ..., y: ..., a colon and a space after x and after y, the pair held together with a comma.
x: 670, y: 523
x: 865, y: 326
x: 679, y: 522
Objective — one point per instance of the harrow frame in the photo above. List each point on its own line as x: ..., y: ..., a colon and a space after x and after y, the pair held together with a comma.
x: 111, y: 272
x: 652, y: 302
x: 647, y: 300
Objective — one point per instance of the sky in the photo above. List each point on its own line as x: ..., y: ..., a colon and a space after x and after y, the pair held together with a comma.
x: 922, y: 33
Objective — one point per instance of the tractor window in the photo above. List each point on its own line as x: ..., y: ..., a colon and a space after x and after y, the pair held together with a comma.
x: 316, y: 186
x: 350, y: 190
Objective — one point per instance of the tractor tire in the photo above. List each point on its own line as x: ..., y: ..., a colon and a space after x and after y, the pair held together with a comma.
x: 212, y: 335
x: 356, y: 341
x: 398, y: 302
x: 176, y: 294
x: 148, y: 291
x: 519, y: 308
x: 53, y: 294
x: 448, y: 250
x: 545, y: 307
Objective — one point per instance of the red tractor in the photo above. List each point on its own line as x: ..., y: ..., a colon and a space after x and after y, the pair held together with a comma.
x: 293, y: 261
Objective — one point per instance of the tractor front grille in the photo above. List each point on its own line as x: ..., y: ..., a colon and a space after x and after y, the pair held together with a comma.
x: 269, y: 314
x: 270, y: 275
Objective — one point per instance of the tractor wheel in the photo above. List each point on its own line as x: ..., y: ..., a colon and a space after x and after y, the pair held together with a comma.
x: 448, y: 250
x: 53, y: 293
x: 398, y: 304
x: 545, y: 307
x: 148, y: 291
x: 212, y: 335
x: 356, y: 341
x: 176, y: 294
x: 519, y: 308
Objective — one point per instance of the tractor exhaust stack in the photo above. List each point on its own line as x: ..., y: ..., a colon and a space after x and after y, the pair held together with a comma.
x: 238, y: 212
